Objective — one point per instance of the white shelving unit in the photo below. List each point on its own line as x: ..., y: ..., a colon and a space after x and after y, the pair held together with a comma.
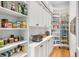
x: 57, y: 17
x: 11, y: 13
x: 13, y: 28
x: 55, y: 28
x: 18, y: 16
x: 10, y: 46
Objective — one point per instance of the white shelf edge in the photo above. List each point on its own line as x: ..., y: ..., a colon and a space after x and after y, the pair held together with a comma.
x: 37, y: 27
x: 10, y: 12
x: 10, y: 46
x: 61, y: 45
x: 13, y: 28
x: 19, y: 54
x: 24, y: 55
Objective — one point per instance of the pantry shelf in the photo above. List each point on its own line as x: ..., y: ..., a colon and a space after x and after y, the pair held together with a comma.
x: 11, y: 13
x: 19, y: 55
x: 61, y: 45
x: 13, y: 28
x: 10, y: 46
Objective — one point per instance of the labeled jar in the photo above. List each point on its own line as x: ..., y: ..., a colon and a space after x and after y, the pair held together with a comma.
x: 1, y: 42
x: 11, y: 39
x: 16, y: 39
x: 8, y: 25
x: 23, y: 24
x: 18, y: 24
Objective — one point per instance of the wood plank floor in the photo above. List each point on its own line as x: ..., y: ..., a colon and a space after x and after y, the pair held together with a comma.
x: 60, y: 52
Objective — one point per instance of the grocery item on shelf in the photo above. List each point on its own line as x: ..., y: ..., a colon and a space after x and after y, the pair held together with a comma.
x: 18, y: 24
x: 13, y: 6
x: 16, y: 39
x: 19, y: 49
x: 56, y: 40
x: 55, y: 26
x: 13, y: 51
x: 11, y: 39
x: 25, y: 10
x: 4, y: 4
x: 1, y: 42
x: 14, y: 25
x: 23, y: 24
x: 62, y: 21
x: 22, y: 48
x: 7, y: 40
x: 8, y: 25
x: 5, y: 23
x: 19, y: 8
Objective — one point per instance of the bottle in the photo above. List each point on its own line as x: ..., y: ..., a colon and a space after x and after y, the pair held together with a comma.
x: 13, y: 6
x: 1, y: 42
x: 23, y: 24
x: 8, y: 25
x: 3, y: 21
x: 16, y: 39
x: 22, y: 7
x: 14, y: 25
x: 5, y: 40
x: 4, y: 4
x: 18, y: 24
x: 25, y: 10
x: 11, y: 39
x: 23, y: 48
x: 19, y: 8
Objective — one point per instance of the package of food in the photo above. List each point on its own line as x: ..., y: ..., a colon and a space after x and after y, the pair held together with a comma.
x: 11, y: 39
x: 13, y: 5
x: 23, y: 48
x: 18, y: 24
x: 3, y: 21
x: 23, y: 24
x: 8, y: 25
x: 4, y: 4
x: 14, y: 25
x: 5, y: 41
x: 16, y: 39
x: 13, y: 51
x: 1, y: 42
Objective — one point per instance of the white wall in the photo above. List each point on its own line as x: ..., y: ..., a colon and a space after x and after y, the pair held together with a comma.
x: 37, y: 15
x: 72, y: 37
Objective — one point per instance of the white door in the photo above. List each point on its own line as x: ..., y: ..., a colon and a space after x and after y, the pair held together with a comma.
x: 49, y: 46
x: 37, y: 51
x: 43, y: 50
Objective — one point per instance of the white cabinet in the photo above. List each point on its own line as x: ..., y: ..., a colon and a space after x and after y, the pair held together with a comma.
x: 39, y: 51
x: 37, y: 15
x: 42, y: 49
x: 49, y: 46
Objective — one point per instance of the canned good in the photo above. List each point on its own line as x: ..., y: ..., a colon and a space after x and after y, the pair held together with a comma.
x: 18, y: 24
x: 1, y: 43
x: 23, y: 24
x: 11, y: 40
